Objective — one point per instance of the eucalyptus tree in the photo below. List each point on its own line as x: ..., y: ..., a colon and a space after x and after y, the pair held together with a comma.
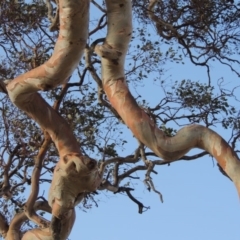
x: 55, y: 137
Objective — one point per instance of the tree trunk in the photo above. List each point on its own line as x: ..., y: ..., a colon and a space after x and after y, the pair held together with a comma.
x: 113, y: 53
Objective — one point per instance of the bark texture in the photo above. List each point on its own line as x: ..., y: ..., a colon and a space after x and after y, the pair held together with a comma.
x: 144, y: 129
x: 72, y: 166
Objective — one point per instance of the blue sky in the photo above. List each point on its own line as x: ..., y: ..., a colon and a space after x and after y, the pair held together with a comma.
x: 199, y: 202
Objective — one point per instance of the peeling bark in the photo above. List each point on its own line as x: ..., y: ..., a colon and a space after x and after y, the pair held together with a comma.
x: 3, y: 225
x: 66, y: 56
x: 144, y: 129
x: 73, y: 175
x: 72, y: 166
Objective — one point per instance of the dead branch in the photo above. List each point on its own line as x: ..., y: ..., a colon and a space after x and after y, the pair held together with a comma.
x: 128, y: 192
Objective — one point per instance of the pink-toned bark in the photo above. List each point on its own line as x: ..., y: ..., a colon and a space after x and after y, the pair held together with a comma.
x: 14, y: 232
x: 72, y: 166
x: 46, y: 234
x: 145, y: 130
x: 29, y: 205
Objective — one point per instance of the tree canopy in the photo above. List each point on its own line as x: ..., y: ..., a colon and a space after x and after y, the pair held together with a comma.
x: 84, y: 65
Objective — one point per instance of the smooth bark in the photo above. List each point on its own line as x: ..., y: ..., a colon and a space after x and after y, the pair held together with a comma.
x: 75, y: 174
x: 72, y: 166
x: 144, y: 129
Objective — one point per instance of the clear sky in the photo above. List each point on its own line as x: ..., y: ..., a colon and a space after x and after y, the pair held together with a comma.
x: 199, y: 202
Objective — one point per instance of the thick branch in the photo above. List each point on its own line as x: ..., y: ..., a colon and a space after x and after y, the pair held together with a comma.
x: 14, y: 232
x: 17, y: 221
x: 67, y: 53
x: 3, y: 225
x: 29, y: 210
x: 144, y: 129
x: 116, y: 189
x: 72, y: 166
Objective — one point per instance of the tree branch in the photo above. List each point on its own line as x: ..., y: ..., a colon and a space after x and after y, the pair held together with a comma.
x: 22, y: 91
x: 3, y: 225
x: 144, y: 129
x: 128, y: 192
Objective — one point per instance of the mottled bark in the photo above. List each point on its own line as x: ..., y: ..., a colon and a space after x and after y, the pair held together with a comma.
x: 72, y: 166
x: 14, y: 232
x: 66, y: 56
x: 75, y: 174
x: 113, y: 53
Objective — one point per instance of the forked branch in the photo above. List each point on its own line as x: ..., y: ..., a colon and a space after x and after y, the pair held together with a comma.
x: 144, y: 129
x: 22, y: 91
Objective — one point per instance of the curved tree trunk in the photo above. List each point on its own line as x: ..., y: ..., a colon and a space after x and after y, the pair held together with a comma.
x: 72, y: 166
x: 13, y: 231
x: 66, y: 56
x: 113, y: 53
